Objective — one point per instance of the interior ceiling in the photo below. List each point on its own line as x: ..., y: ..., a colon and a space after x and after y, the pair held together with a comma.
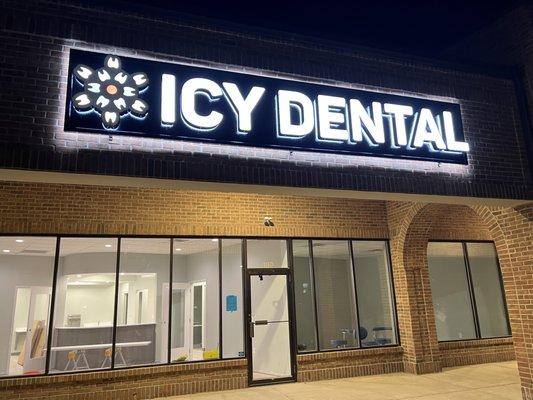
x: 336, y: 249
x: 45, y: 246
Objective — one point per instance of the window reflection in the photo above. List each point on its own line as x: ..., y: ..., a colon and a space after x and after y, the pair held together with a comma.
x: 374, y: 293
x: 335, y: 295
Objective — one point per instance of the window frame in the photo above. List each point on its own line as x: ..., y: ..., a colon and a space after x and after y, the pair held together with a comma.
x: 471, y: 291
x: 244, y: 255
x: 352, y: 262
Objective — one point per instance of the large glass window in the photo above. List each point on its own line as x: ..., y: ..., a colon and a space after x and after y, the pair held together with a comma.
x: 449, y: 288
x: 304, y: 297
x: 233, y: 299
x: 466, y: 290
x: 335, y: 295
x: 143, y: 288
x: 374, y: 293
x: 26, y: 274
x: 195, y: 300
x: 267, y: 253
x: 487, y: 285
x: 84, y: 308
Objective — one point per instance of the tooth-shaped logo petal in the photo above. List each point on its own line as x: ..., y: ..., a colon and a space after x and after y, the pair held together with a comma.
x: 121, y: 77
x: 82, y: 72
x: 102, y: 101
x: 129, y: 91
x: 120, y: 104
x: 94, y: 87
x: 140, y: 79
x: 81, y: 100
x: 103, y: 75
x: 110, y: 119
x: 110, y: 91
x: 112, y: 62
x: 139, y: 107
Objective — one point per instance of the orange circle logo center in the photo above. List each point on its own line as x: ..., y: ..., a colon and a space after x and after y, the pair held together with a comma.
x: 111, y: 89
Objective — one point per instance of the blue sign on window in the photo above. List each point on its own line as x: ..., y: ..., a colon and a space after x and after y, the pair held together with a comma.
x: 231, y: 303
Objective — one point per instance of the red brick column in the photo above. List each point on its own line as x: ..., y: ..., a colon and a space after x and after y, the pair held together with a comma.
x: 512, y: 231
x: 413, y: 295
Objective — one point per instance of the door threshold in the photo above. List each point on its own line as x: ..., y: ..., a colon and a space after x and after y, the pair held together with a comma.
x: 274, y: 381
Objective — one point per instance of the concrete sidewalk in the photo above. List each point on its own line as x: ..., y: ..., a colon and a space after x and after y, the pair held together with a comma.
x: 485, y: 381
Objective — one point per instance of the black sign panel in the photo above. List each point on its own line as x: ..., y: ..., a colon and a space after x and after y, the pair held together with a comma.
x: 136, y: 97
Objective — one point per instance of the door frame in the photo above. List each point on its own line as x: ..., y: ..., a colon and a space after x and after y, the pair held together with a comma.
x: 292, y: 325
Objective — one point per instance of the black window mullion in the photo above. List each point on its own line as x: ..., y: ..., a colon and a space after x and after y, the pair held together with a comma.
x: 352, y: 260
x: 220, y: 305
x: 170, y: 282
x: 115, y: 307
x: 52, y: 307
x: 471, y: 291
x: 312, y: 267
x: 392, y: 293
x: 244, y: 261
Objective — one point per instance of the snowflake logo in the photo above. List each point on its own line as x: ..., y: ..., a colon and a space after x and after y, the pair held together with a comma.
x: 110, y: 91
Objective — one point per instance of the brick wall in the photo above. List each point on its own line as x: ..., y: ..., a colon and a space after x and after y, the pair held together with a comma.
x: 468, y: 352
x: 37, y: 35
x: 84, y: 209
x: 512, y: 231
x: 132, y: 384
x: 507, y: 41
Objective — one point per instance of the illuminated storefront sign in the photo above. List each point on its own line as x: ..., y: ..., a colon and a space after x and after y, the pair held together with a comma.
x: 135, y: 97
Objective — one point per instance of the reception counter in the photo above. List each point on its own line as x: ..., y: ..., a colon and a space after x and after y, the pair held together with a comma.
x: 94, y: 341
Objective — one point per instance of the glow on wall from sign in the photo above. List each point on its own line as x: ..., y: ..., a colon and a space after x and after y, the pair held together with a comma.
x: 161, y: 145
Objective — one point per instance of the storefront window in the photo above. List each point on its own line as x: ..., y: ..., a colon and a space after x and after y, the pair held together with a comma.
x: 26, y: 273
x: 304, y: 297
x: 335, y: 295
x: 267, y: 253
x: 487, y: 284
x: 142, y: 308
x: 195, y: 300
x: 449, y: 289
x: 374, y: 293
x: 233, y: 299
x: 84, y: 305
x: 467, y: 292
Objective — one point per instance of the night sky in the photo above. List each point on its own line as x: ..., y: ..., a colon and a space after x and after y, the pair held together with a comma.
x: 417, y: 27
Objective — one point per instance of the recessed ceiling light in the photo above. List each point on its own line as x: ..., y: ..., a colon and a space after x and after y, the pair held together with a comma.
x: 108, y: 245
x: 6, y: 251
x: 178, y: 249
x: 214, y: 240
x: 19, y: 240
x: 78, y: 276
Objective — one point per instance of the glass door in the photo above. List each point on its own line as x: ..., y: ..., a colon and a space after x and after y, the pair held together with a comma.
x: 269, y: 330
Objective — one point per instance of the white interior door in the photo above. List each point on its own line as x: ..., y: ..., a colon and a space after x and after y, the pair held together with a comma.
x: 180, y: 339
x: 198, y: 314
x: 36, y: 337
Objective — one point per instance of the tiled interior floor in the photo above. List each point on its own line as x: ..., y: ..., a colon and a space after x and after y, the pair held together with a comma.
x: 485, y: 381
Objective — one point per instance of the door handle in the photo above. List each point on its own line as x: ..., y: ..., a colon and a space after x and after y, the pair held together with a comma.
x: 261, y: 322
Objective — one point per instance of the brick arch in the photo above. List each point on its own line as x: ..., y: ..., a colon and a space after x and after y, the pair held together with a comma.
x: 411, y: 225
